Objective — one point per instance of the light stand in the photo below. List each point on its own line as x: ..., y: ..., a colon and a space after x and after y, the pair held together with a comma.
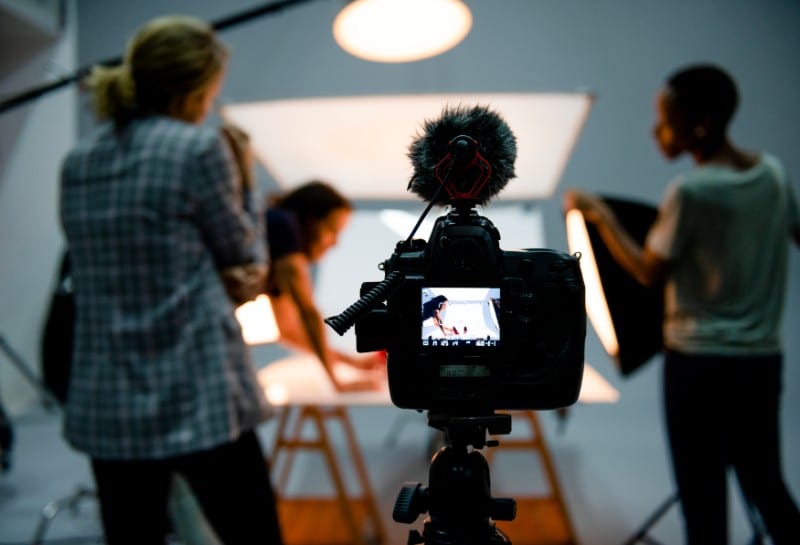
x: 6, y: 430
x: 641, y: 535
x: 50, y: 402
x: 78, y: 75
x: 48, y: 399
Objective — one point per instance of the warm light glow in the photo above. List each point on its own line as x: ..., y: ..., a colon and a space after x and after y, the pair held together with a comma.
x: 277, y: 394
x: 258, y: 321
x: 595, y: 388
x: 300, y: 379
x: 401, y: 30
x: 596, y: 304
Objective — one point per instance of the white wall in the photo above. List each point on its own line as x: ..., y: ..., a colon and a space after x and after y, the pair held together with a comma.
x: 33, y: 139
x: 619, y: 49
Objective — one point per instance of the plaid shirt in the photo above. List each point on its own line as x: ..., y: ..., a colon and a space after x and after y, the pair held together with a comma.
x: 151, y: 214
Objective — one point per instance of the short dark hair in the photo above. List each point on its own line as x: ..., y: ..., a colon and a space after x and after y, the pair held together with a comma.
x: 430, y: 306
x: 705, y: 90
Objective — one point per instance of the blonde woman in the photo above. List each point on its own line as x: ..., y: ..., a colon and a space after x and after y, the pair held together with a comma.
x: 161, y: 381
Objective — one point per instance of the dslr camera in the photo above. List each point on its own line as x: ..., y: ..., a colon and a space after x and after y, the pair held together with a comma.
x: 468, y: 327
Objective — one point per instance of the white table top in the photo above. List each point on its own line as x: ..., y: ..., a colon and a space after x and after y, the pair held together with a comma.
x: 301, y: 380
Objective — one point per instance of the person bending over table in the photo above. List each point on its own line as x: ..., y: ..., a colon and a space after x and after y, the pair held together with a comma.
x: 302, y: 225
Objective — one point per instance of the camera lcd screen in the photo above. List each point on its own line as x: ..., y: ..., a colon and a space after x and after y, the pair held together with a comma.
x: 456, y: 317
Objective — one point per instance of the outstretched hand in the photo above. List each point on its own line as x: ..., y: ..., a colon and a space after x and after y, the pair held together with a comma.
x: 244, y: 283
x: 369, y: 372
x: 589, y: 205
x: 361, y: 385
x: 371, y: 361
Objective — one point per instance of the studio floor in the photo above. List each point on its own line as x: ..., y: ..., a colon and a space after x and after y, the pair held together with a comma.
x: 609, y: 459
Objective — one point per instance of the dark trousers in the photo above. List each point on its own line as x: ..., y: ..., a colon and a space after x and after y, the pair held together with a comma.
x: 6, y: 440
x: 231, y: 484
x: 721, y: 413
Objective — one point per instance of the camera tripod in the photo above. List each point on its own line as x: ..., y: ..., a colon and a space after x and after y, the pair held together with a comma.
x: 458, y: 499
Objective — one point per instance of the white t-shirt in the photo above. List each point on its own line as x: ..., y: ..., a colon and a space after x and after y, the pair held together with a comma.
x: 726, y: 235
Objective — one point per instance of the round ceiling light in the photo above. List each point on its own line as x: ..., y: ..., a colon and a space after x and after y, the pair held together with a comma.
x: 401, y: 30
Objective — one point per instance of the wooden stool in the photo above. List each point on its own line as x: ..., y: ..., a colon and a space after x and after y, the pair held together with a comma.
x: 542, y: 519
x: 312, y: 520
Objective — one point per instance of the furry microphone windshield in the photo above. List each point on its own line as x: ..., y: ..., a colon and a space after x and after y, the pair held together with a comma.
x: 469, y: 143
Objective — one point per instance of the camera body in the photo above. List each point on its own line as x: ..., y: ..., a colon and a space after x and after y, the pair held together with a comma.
x: 472, y: 328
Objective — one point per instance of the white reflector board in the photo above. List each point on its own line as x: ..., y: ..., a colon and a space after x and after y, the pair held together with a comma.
x: 359, y: 144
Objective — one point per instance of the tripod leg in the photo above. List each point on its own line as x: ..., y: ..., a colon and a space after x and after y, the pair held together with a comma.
x: 661, y: 510
x: 48, y: 398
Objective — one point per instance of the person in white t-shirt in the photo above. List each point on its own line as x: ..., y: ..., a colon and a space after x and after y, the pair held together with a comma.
x: 721, y: 243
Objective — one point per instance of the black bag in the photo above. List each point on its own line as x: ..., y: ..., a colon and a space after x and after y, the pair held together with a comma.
x: 57, y: 339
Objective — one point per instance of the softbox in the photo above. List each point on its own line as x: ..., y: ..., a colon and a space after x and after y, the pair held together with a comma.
x: 626, y: 315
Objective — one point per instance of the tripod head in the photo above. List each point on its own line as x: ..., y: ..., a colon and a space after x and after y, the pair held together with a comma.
x: 458, y: 499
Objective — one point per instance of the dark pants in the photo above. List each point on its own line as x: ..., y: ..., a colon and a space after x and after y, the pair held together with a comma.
x: 231, y: 484
x: 6, y: 440
x: 723, y: 412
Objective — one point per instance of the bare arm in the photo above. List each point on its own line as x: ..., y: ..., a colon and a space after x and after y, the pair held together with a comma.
x: 645, y: 266
x: 438, y: 322
x: 300, y: 322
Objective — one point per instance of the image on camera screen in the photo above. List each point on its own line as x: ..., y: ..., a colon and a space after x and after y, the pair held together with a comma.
x: 460, y: 317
